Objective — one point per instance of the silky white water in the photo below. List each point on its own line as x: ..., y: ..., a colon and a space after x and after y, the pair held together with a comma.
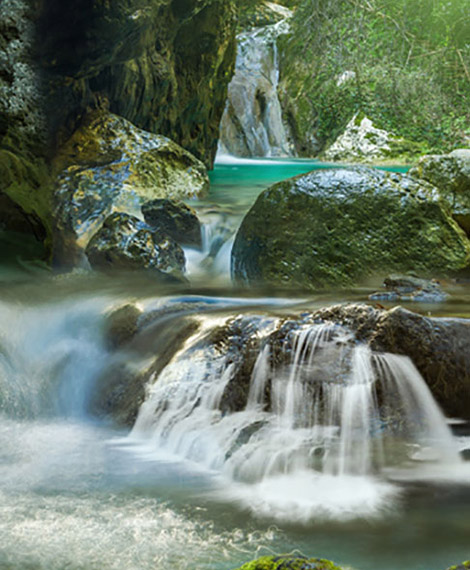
x: 196, y: 487
x: 318, y: 448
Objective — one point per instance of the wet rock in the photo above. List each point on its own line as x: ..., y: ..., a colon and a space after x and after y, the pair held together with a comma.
x: 334, y: 227
x: 252, y: 123
x: 239, y: 340
x: 121, y: 390
x: 122, y: 325
x: 109, y: 165
x: 440, y: 350
x: 450, y: 174
x: 438, y: 347
x: 125, y: 243
x: 408, y: 288
x: 287, y: 562
x: 176, y: 219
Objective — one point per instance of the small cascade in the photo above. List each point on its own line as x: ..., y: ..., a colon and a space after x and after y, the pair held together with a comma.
x: 50, y: 356
x: 252, y: 124
x: 324, y: 407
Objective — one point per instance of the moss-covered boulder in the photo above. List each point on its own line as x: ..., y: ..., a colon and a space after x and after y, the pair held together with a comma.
x: 174, y: 218
x: 124, y: 243
x: 338, y: 226
x: 110, y: 165
x: 287, y: 562
x: 450, y: 174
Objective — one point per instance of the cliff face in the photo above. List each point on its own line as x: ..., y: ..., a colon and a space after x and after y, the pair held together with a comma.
x: 162, y: 64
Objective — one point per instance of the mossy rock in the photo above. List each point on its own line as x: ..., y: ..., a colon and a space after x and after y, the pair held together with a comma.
x: 450, y: 174
x: 110, y: 165
x: 258, y: 14
x: 463, y: 566
x: 286, y: 562
x: 336, y: 227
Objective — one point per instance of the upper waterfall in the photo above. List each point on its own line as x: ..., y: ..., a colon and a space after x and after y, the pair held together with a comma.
x: 252, y: 124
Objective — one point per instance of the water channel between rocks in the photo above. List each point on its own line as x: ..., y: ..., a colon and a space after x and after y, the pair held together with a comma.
x: 198, y: 483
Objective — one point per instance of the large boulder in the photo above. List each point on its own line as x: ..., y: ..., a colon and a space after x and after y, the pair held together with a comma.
x: 336, y: 227
x: 124, y: 243
x: 450, y: 174
x: 288, y: 562
x: 110, y: 165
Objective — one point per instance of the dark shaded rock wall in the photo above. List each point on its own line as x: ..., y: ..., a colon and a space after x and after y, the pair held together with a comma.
x: 164, y: 65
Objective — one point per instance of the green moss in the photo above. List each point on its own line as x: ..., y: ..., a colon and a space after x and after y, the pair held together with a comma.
x: 336, y: 227
x: 286, y: 562
x: 463, y: 566
x: 412, y: 83
x: 26, y: 180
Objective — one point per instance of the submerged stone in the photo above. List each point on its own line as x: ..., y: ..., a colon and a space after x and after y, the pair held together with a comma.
x: 174, y: 218
x: 335, y: 227
x: 287, y: 562
x: 409, y: 288
x: 110, y: 165
x: 125, y: 243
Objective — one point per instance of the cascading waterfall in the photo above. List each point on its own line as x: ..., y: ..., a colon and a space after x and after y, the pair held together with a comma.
x: 334, y: 411
x: 325, y: 429
x: 252, y: 124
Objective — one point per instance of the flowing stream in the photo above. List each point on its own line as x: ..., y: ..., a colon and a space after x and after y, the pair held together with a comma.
x: 332, y: 450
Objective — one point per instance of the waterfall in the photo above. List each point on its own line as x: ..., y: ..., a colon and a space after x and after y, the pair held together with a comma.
x: 50, y: 357
x: 252, y: 124
x: 332, y: 413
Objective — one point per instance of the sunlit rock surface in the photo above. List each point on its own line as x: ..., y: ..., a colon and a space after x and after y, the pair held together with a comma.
x: 336, y: 227
x: 361, y: 141
x: 110, y: 165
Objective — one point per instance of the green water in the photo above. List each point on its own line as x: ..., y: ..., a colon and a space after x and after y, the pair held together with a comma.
x: 239, y: 182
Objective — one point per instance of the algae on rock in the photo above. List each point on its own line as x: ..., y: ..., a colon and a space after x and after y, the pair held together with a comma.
x: 336, y: 227
x: 286, y: 562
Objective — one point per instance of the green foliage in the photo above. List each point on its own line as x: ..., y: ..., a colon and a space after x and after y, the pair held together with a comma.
x: 408, y: 64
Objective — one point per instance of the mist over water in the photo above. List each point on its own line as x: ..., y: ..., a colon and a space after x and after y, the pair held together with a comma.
x: 79, y: 494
